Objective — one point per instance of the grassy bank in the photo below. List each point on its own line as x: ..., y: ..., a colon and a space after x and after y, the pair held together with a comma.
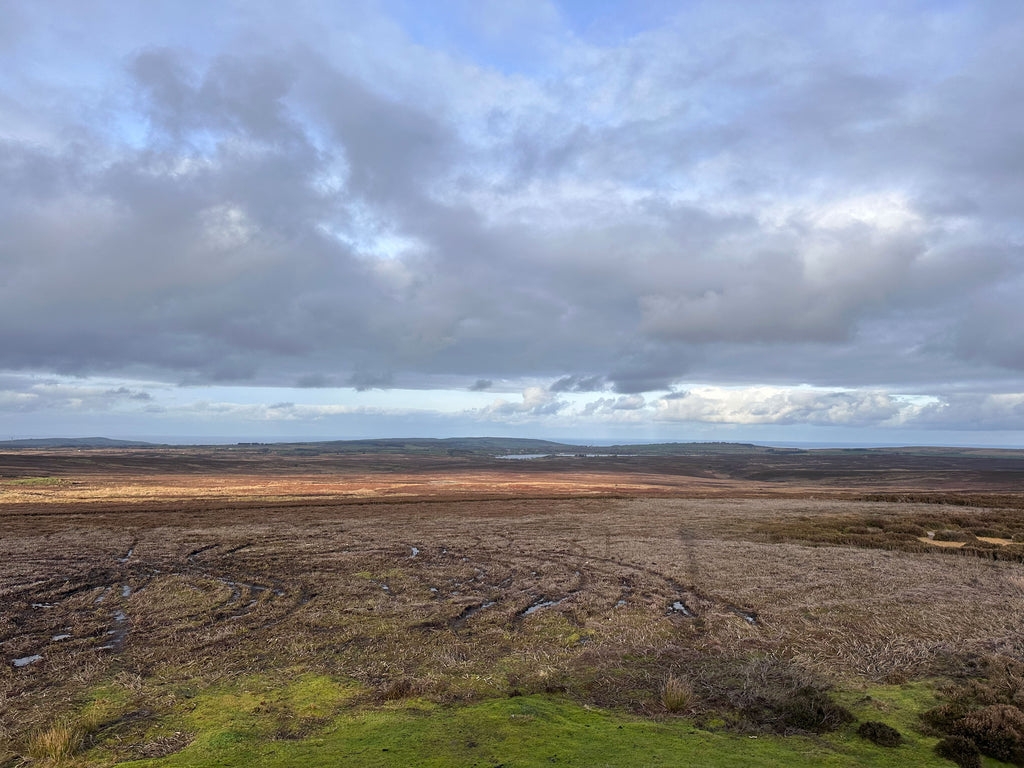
x: 316, y: 720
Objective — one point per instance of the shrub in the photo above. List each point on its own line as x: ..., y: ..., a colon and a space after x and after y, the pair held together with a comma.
x: 949, y: 535
x: 998, y: 731
x: 811, y: 709
x: 911, y: 529
x: 945, y: 717
x: 769, y: 692
x: 862, y: 530
x: 879, y: 733
x: 399, y: 689
x: 992, y: 533
x: 961, y: 751
x: 676, y: 694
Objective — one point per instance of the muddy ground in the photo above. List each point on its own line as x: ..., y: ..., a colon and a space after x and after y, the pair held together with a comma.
x: 458, y: 578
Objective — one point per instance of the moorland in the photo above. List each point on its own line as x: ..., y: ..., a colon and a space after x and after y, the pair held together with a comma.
x: 428, y: 603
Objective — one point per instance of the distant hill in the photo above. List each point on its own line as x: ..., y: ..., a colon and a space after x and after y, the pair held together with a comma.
x: 74, y: 442
x: 425, y: 445
x: 512, y: 446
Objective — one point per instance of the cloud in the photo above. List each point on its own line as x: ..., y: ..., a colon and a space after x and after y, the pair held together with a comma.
x: 775, y: 405
x: 536, y: 403
x: 481, y: 385
x: 975, y: 411
x: 362, y: 381
x: 19, y: 394
x: 731, y: 193
x: 577, y: 383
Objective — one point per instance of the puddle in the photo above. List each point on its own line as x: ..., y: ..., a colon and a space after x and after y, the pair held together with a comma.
x: 43, y: 605
x: 456, y: 623
x: 748, y: 616
x: 126, y: 590
x: 127, y: 557
x: 627, y: 590
x: 680, y: 607
x: 55, y: 638
x: 117, y: 634
x: 103, y: 596
x: 415, y: 551
x: 24, y: 661
x: 540, y: 604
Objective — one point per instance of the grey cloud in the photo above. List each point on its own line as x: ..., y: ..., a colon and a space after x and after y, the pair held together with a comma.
x: 128, y: 393
x: 577, y: 383
x: 315, y: 381
x: 795, y: 197
x: 536, y: 403
x: 481, y: 385
x: 612, y: 404
x: 974, y: 411
x: 363, y: 381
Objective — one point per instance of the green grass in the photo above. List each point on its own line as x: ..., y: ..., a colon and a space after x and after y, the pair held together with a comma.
x: 34, y: 481
x: 319, y: 721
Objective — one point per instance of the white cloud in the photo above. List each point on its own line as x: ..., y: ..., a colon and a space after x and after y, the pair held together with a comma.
x: 778, y: 405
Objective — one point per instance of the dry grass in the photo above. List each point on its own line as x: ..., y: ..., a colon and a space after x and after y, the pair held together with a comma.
x: 762, y: 601
x: 55, y: 744
x: 676, y: 694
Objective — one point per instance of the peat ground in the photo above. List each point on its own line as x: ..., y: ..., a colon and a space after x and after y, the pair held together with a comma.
x: 134, y: 582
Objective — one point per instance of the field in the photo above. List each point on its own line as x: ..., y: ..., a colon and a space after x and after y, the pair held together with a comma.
x: 252, y: 606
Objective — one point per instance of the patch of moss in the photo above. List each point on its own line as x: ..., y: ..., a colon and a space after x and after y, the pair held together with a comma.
x: 240, y: 725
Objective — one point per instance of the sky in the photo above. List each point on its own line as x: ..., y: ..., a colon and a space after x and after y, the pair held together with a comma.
x: 730, y: 220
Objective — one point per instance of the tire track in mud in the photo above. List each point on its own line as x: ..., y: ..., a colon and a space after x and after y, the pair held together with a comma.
x: 678, y: 602
x: 246, y: 591
x: 114, y: 584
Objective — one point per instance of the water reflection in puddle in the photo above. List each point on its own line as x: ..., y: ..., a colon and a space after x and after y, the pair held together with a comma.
x: 24, y: 661
x: 542, y: 604
x: 680, y: 607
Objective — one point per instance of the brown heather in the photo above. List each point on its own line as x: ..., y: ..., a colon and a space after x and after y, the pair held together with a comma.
x: 599, y: 585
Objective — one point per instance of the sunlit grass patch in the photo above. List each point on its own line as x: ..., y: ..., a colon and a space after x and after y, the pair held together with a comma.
x: 34, y: 481
x: 56, y: 743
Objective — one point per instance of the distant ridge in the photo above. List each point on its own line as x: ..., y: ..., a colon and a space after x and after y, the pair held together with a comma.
x: 493, y: 446
x: 74, y: 442
x: 436, y: 446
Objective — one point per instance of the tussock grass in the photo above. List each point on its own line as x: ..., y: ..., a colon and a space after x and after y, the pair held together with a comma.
x: 677, y: 694
x: 57, y: 743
